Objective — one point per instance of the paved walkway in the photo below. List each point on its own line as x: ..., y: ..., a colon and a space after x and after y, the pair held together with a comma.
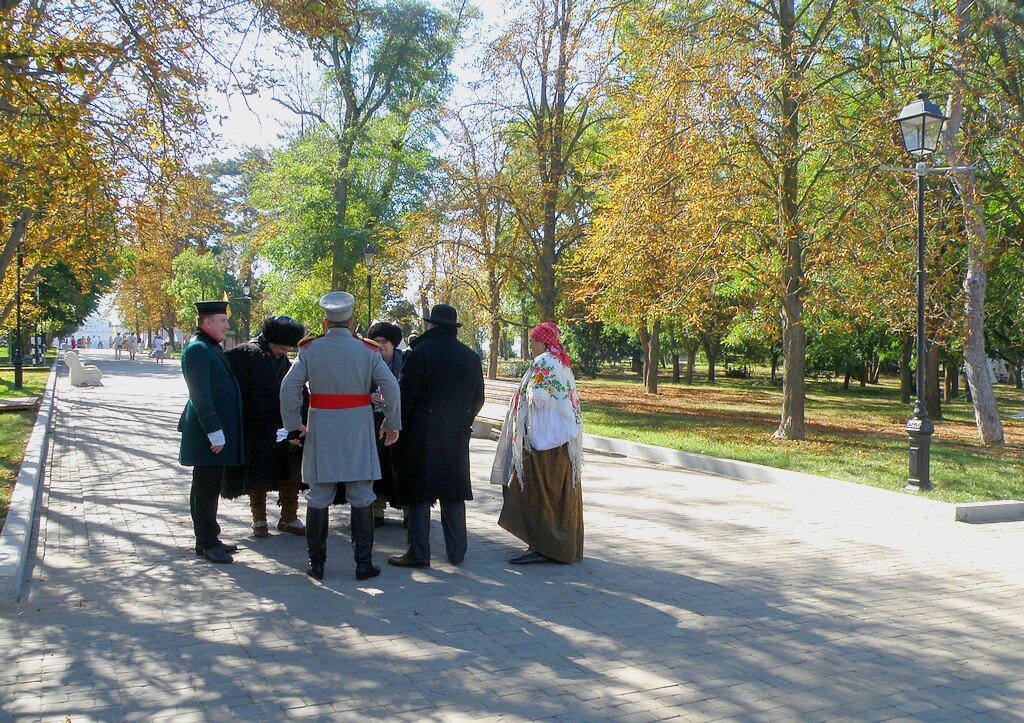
x: 700, y: 598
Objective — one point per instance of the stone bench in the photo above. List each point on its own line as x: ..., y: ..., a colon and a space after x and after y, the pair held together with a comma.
x: 497, y: 395
x: 82, y: 375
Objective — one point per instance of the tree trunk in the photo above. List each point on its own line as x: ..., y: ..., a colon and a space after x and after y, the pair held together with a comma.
x: 863, y: 381
x: 339, y: 253
x: 691, y: 361
x: 932, y: 385
x: 712, y: 346
x: 949, y: 377
x: 675, y: 368
x: 645, y: 351
x: 775, y: 365
x: 495, y: 349
x: 654, y: 357
x: 846, y: 379
x: 906, y: 376
x: 794, y: 337
x: 986, y: 413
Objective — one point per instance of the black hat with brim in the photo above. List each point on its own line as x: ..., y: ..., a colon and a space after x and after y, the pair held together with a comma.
x: 443, y: 315
x: 204, y: 308
x: 283, y: 330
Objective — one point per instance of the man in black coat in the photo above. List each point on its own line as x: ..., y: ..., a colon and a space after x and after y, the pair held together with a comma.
x: 259, y: 366
x: 442, y: 385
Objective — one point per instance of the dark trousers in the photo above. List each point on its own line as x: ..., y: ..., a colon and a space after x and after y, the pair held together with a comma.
x: 453, y: 523
x: 203, y: 503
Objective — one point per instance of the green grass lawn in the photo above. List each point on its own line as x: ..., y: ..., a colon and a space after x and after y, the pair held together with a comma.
x: 34, y: 381
x: 855, y: 435
x: 15, y: 428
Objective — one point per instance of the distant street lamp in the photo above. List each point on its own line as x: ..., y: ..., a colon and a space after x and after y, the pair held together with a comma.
x: 246, y: 306
x: 921, y: 125
x: 369, y: 253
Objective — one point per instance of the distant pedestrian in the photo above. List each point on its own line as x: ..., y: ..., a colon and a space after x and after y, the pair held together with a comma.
x: 540, y: 455
x: 117, y: 345
x: 158, y: 349
x: 133, y: 346
x: 442, y: 392
x: 339, y: 444
x: 259, y: 366
x: 210, y: 426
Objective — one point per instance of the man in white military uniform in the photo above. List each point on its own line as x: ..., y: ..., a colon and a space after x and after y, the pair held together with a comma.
x: 339, y: 439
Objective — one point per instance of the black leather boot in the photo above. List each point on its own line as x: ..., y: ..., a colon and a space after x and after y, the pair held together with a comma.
x: 362, y: 542
x: 316, y: 541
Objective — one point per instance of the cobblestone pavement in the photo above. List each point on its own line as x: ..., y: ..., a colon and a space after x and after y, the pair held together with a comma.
x: 700, y: 598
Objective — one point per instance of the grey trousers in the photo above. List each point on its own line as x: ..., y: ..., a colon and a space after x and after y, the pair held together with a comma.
x: 453, y: 523
x: 359, y: 494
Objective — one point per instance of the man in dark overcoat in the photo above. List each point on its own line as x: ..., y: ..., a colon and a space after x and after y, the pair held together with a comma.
x: 388, y: 336
x: 442, y: 386
x: 259, y: 366
x: 210, y: 425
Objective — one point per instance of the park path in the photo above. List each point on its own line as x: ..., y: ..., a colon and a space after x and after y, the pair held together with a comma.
x: 700, y: 598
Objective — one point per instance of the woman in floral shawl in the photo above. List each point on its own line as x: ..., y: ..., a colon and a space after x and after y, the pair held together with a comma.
x: 540, y: 456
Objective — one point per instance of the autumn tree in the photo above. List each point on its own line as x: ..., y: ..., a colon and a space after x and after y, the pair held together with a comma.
x: 553, y: 54
x: 383, y: 59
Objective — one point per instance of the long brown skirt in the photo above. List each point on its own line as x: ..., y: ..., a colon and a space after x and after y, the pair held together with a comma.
x: 548, y: 514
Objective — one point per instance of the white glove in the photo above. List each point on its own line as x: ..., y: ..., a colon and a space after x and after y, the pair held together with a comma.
x: 217, y: 438
x: 282, y: 435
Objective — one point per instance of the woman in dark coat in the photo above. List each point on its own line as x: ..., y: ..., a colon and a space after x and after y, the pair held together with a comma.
x: 259, y: 366
x: 388, y: 336
x: 442, y: 391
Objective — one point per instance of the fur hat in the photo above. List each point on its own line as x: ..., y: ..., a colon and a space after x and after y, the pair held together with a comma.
x: 391, y: 332
x: 283, y: 330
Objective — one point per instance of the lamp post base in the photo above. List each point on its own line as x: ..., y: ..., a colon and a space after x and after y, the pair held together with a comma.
x: 920, y: 432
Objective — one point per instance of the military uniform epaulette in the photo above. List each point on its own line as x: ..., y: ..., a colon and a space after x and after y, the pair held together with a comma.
x: 309, y: 340
x: 370, y: 343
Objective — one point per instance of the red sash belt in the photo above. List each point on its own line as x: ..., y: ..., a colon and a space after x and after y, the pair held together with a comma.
x: 338, y: 401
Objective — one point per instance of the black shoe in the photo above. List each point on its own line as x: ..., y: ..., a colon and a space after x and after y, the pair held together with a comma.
x: 230, y: 549
x: 407, y: 560
x: 366, y: 571
x: 456, y: 560
x: 218, y: 555
x: 378, y: 522
x: 529, y: 558
x: 316, y: 570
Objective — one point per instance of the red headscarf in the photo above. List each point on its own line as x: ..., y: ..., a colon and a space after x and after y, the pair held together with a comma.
x: 549, y: 335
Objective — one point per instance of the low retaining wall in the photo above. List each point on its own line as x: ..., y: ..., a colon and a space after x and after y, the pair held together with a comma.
x: 16, y: 537
x: 746, y: 471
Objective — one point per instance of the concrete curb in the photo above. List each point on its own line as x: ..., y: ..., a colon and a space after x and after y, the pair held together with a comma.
x: 16, y: 536
x: 983, y: 512
x: 750, y: 472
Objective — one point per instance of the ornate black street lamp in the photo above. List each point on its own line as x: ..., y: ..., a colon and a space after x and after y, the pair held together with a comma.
x: 921, y: 125
x: 369, y: 253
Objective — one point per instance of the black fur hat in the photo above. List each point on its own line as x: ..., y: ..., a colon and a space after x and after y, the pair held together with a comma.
x: 283, y: 330
x: 391, y: 332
